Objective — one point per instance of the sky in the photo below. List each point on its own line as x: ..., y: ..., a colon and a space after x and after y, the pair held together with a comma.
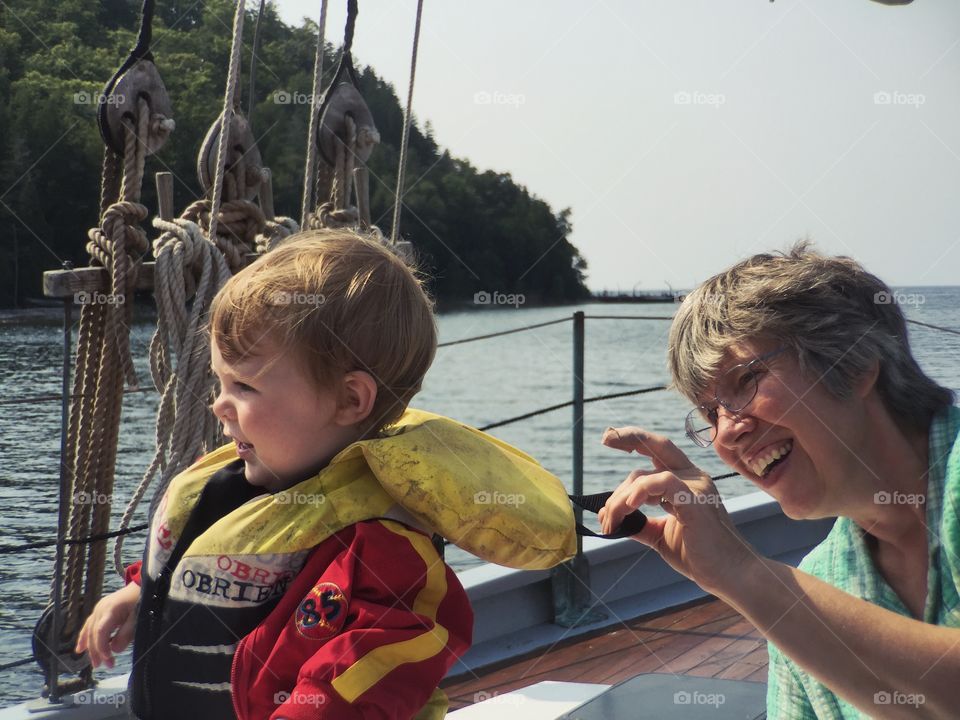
x: 687, y: 135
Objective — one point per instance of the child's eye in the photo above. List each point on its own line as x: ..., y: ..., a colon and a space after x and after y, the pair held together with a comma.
x: 243, y: 387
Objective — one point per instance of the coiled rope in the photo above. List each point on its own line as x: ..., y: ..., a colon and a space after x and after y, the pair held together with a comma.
x: 180, y: 356
x: 275, y: 229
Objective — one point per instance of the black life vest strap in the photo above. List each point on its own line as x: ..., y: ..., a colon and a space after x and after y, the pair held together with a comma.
x: 631, y: 525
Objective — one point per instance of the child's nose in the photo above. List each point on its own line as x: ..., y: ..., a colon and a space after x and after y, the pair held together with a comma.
x: 219, y: 406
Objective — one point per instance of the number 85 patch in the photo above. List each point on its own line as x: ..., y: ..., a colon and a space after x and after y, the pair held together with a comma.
x: 322, y: 611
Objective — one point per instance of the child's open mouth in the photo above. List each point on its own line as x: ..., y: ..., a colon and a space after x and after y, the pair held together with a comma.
x: 244, y: 449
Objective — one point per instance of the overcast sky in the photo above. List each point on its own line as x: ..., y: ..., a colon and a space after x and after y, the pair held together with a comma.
x: 688, y: 134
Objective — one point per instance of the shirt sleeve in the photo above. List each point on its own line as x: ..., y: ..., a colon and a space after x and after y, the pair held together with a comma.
x: 786, y: 697
x: 388, y: 618
x: 132, y: 573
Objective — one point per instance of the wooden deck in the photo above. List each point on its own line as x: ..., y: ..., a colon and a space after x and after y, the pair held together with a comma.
x: 705, y: 639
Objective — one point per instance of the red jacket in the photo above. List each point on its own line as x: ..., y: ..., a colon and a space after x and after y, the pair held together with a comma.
x: 367, y: 629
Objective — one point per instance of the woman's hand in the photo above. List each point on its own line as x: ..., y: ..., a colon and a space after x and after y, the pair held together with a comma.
x: 109, y: 629
x: 697, y: 537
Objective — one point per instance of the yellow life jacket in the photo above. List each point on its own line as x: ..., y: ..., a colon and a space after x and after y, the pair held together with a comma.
x: 482, y: 494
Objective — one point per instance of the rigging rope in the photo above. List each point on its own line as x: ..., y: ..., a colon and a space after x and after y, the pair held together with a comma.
x: 103, y: 361
x: 407, y: 117
x: 310, y: 171
x: 251, y: 98
x: 226, y: 118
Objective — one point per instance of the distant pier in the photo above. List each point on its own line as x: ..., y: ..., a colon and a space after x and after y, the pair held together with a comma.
x: 606, y: 296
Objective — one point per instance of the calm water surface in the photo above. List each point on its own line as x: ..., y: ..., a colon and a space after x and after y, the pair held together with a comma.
x: 477, y: 383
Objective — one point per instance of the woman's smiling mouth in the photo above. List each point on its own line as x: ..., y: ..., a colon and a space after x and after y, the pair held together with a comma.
x: 762, y: 465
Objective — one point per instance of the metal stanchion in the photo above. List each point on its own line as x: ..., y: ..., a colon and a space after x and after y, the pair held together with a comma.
x: 572, y: 599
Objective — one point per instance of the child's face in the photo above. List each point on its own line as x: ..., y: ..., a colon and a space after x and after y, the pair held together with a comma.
x: 284, y: 426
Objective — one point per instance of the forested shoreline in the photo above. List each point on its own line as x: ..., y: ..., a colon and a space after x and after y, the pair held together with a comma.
x: 475, y: 231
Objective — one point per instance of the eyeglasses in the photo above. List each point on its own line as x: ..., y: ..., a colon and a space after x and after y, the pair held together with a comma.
x: 738, y: 385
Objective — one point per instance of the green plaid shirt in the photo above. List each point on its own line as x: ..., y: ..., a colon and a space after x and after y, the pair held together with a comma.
x: 844, y: 561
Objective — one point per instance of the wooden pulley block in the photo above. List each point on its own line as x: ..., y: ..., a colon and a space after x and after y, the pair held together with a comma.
x: 343, y: 100
x: 241, y: 145
x: 120, y: 99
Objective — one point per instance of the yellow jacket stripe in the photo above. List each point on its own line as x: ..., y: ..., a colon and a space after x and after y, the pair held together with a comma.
x: 375, y: 665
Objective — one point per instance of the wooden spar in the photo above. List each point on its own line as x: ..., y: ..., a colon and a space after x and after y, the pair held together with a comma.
x: 62, y: 284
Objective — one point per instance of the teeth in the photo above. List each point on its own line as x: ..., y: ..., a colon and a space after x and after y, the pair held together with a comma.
x: 760, y: 464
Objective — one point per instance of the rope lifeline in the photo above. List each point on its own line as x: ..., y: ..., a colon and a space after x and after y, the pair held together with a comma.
x: 935, y: 327
x: 504, y: 332
x: 569, y: 403
x: 51, y: 398
x: 12, y: 549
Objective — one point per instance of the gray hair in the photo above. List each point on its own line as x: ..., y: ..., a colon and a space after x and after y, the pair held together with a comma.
x: 837, y: 318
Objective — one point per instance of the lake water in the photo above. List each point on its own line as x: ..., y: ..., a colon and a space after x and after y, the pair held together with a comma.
x: 477, y: 383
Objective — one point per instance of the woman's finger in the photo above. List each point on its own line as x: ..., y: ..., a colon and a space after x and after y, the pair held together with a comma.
x: 622, y: 438
x: 651, y: 487
x: 615, y: 509
x: 652, y: 532
x: 665, y: 455
x: 642, y: 487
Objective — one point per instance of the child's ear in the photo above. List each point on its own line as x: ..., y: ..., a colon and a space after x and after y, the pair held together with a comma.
x: 358, y: 393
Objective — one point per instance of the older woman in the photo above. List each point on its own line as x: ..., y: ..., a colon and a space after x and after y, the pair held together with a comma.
x: 800, y: 370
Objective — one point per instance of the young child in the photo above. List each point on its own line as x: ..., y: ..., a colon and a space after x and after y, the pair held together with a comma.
x: 274, y: 583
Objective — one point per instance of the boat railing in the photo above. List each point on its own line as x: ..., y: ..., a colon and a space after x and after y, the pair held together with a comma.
x: 571, y: 602
x: 569, y: 580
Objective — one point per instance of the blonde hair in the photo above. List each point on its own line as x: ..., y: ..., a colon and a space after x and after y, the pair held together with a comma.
x: 340, y: 302
x: 837, y: 318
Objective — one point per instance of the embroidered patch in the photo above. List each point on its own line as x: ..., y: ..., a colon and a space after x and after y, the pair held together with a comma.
x: 322, y: 612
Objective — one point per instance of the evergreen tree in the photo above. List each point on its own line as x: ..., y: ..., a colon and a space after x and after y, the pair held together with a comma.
x: 473, y: 230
